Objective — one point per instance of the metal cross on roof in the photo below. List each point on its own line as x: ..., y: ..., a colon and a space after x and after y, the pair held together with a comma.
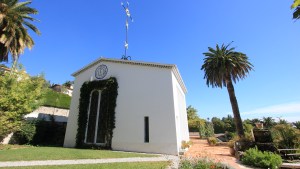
x: 128, y: 16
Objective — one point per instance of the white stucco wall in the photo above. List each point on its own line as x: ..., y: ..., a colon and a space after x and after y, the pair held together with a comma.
x: 180, y: 112
x: 143, y: 91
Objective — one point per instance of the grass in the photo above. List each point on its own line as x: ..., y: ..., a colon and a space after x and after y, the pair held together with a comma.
x: 55, y: 99
x: 138, y: 165
x: 56, y: 153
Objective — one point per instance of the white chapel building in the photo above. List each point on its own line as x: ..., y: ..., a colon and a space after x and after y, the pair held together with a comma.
x: 150, y: 107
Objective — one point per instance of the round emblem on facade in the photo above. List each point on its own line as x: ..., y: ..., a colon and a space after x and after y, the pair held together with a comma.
x: 101, y: 71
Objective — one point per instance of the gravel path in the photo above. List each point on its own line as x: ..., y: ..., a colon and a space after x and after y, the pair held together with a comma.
x: 174, y: 160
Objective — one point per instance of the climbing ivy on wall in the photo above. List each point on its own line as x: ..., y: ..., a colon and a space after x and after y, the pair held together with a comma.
x: 109, y: 95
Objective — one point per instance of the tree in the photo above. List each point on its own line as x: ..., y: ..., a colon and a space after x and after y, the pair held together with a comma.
x: 222, y: 67
x: 219, y: 125
x: 191, y: 113
x: 193, y: 119
x: 297, y: 124
x: 22, y: 95
x: 269, y: 122
x: 229, y: 124
x: 296, y: 6
x: 14, y: 22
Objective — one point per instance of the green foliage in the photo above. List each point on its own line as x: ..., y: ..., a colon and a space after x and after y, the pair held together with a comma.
x: 109, y: 95
x: 25, y: 134
x: 296, y: 6
x: 297, y: 124
x: 285, y: 136
x: 20, y: 94
x: 206, y: 129
x: 47, y: 133
x: 269, y: 122
x: 186, y: 144
x: 229, y: 123
x: 219, y: 125
x: 14, y: 25
x: 256, y: 158
x: 282, y: 121
x: 201, y: 164
x: 193, y: 119
x: 55, y: 99
x: 212, y: 141
x: 194, y: 124
x: 191, y: 113
x: 248, y: 131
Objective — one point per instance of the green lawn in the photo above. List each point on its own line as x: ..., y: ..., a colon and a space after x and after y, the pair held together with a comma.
x: 141, y: 165
x: 55, y: 99
x: 57, y: 153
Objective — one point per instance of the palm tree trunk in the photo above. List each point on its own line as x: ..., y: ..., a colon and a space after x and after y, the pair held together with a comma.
x: 235, y: 108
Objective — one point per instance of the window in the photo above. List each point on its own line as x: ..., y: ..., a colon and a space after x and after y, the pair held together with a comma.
x: 94, y: 133
x: 146, y: 126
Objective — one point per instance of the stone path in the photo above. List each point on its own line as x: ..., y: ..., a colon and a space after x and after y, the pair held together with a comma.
x: 174, y: 160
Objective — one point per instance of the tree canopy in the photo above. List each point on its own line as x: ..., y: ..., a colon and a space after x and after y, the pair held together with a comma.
x: 20, y: 94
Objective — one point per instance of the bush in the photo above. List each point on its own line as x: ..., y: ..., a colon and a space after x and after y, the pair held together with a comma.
x: 212, y: 141
x: 286, y: 136
x: 186, y: 144
x: 25, y: 134
x: 46, y: 133
x: 256, y: 158
x: 201, y: 164
x: 206, y: 130
x: 231, y: 144
x: 20, y: 94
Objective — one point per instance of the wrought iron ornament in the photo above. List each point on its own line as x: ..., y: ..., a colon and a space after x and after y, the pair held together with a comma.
x: 128, y: 17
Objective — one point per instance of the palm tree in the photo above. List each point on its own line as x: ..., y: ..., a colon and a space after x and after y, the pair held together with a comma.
x: 14, y: 23
x: 297, y: 124
x: 269, y: 122
x: 296, y: 6
x: 222, y: 67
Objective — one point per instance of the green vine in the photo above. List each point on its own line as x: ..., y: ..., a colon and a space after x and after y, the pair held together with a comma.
x: 109, y: 95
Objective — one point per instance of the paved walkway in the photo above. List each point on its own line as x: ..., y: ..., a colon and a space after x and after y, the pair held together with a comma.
x: 174, y: 160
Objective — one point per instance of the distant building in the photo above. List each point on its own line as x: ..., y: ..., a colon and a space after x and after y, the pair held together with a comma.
x: 63, y: 89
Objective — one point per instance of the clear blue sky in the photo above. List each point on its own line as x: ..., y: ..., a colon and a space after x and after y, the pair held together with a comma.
x: 74, y: 33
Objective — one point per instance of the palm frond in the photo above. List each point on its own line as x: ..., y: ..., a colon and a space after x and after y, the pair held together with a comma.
x: 296, y: 13
x: 14, y: 21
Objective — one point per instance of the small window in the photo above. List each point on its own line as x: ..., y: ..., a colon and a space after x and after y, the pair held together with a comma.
x: 146, y: 123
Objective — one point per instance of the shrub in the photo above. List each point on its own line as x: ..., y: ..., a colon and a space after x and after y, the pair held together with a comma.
x: 20, y: 94
x: 201, y: 164
x: 256, y: 158
x: 286, y: 136
x: 206, y: 130
x: 186, y: 144
x: 212, y: 141
x: 231, y: 143
x: 25, y: 134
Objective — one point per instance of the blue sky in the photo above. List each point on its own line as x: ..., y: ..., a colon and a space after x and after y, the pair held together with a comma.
x: 74, y: 33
